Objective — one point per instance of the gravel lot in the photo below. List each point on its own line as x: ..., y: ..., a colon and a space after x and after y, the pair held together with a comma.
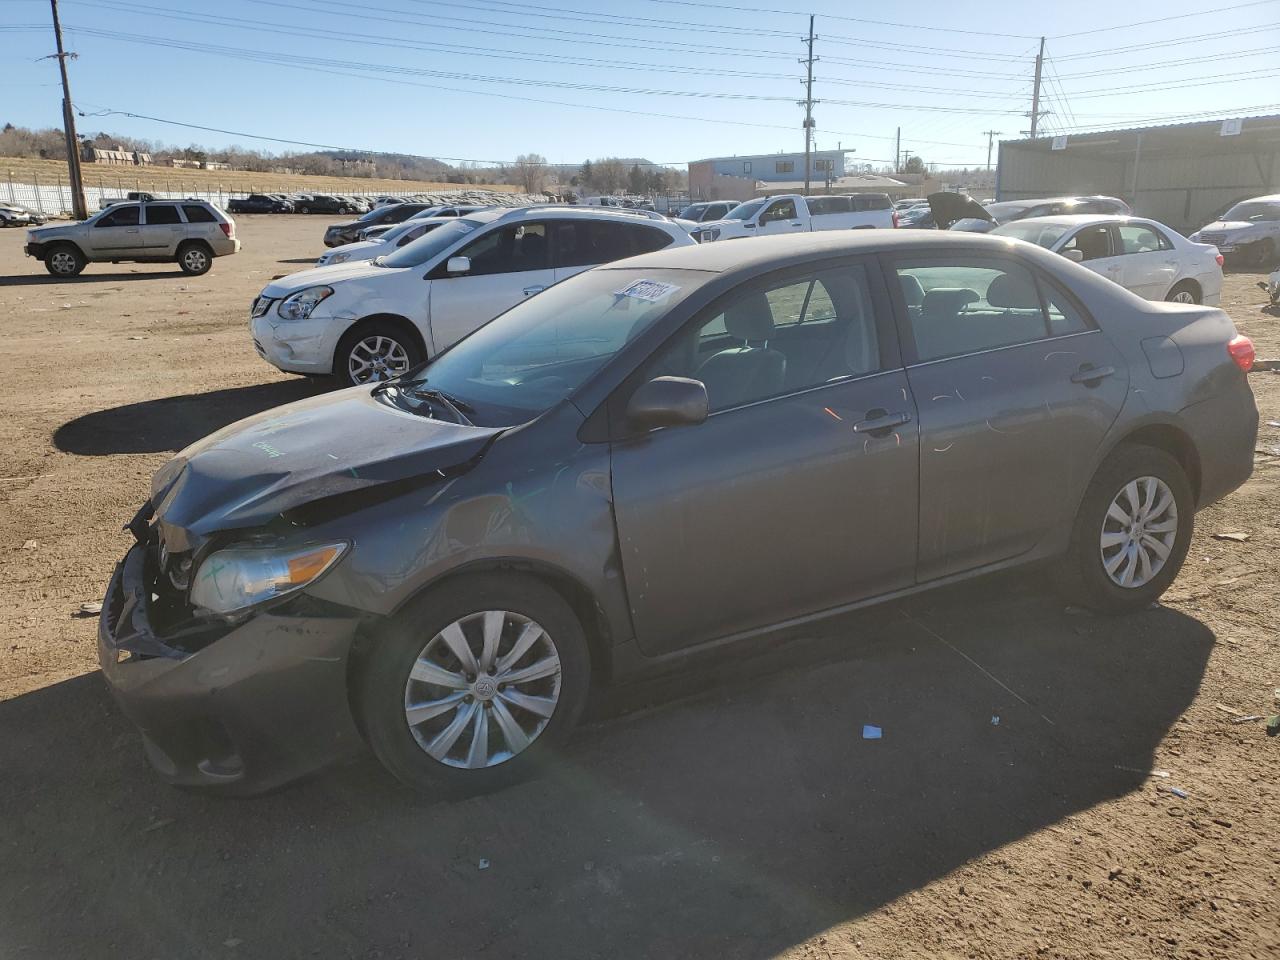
x: 735, y: 812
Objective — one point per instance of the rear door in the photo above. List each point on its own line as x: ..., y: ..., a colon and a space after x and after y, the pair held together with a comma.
x: 1148, y: 262
x: 117, y: 234
x: 508, y: 264
x: 162, y: 228
x: 798, y: 493
x: 1016, y: 388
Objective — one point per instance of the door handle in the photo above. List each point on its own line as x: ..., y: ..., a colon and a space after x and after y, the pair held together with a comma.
x: 796, y: 223
x: 530, y: 291
x: 1089, y: 374
x: 880, y: 422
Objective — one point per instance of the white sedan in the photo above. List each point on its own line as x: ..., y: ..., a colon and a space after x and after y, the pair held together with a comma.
x: 1143, y: 256
x: 400, y: 235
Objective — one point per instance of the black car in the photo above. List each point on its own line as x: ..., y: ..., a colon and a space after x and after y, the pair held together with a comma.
x: 259, y: 203
x: 349, y: 232
x: 324, y: 203
x: 655, y: 459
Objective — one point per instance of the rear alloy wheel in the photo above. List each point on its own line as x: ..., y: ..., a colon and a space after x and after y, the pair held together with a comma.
x: 475, y: 684
x: 1131, y: 533
x: 374, y: 352
x: 195, y: 259
x: 65, y: 260
x: 1183, y: 293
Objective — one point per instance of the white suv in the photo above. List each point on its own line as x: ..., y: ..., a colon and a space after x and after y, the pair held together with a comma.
x: 369, y: 321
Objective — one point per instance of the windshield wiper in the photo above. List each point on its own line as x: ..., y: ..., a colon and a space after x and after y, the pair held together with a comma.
x: 452, y: 404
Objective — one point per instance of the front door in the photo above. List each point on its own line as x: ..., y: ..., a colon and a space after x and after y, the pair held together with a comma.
x: 117, y: 233
x: 1016, y: 389
x: 779, y: 217
x: 798, y: 493
x: 508, y: 264
x: 1094, y: 246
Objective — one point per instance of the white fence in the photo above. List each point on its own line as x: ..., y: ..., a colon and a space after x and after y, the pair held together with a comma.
x: 54, y: 198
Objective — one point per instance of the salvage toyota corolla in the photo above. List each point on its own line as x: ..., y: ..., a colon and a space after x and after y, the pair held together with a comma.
x: 648, y: 461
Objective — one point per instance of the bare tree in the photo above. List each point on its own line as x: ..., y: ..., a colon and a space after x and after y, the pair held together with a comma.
x: 531, y: 172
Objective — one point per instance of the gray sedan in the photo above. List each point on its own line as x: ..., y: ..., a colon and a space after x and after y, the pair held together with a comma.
x: 652, y: 460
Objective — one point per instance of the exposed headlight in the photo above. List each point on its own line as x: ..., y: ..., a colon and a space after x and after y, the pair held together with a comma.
x: 239, y: 577
x: 338, y: 258
x: 298, y: 306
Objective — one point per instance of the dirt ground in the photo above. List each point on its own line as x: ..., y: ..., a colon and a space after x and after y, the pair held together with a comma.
x: 735, y: 812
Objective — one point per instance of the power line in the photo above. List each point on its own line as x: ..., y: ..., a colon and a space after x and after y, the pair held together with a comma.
x: 1179, y: 16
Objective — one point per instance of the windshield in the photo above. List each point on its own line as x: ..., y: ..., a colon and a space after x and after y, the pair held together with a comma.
x: 1041, y: 234
x: 1253, y: 211
x: 425, y: 247
x: 1001, y: 212
x: 745, y: 211
x: 691, y: 212
x: 541, y: 350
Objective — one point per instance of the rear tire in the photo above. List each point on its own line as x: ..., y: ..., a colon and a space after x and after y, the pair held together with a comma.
x: 373, y: 351
x: 1111, y: 533
x: 1184, y: 292
x: 195, y: 258
x: 65, y: 260
x: 516, y: 741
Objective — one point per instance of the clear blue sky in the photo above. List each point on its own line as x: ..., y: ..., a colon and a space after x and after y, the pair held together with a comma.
x: 406, y: 75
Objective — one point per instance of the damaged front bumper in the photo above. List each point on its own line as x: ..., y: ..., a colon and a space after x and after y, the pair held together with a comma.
x: 238, y: 707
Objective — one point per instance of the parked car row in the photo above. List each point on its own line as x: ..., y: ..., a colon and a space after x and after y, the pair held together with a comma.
x: 792, y: 213
x: 649, y: 461
x: 16, y: 215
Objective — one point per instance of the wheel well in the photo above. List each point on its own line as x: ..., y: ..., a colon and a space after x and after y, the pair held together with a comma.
x: 401, y: 323
x: 595, y: 626
x: 55, y: 244
x: 1175, y: 443
x: 194, y: 243
x: 1193, y: 284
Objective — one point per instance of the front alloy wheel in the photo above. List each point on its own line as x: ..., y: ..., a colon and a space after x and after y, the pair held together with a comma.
x: 483, y: 689
x: 375, y: 358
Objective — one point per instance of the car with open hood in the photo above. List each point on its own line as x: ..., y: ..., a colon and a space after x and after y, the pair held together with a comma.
x: 1248, y: 232
x: 371, y: 320
x: 1143, y: 256
x: 659, y: 459
x: 956, y: 211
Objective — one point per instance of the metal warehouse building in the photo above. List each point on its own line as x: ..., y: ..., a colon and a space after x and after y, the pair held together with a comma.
x: 1182, y: 174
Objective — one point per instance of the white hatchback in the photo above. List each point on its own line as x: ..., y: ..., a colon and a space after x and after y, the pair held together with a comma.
x: 371, y: 320
x: 1143, y: 256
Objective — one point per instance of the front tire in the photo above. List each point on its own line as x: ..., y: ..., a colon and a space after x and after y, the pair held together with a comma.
x: 476, y: 685
x: 195, y: 259
x: 374, y: 351
x: 1131, y: 533
x: 65, y: 260
x: 1265, y: 252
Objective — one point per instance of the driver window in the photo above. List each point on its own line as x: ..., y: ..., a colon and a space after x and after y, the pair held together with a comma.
x: 514, y: 249
x: 781, y: 210
x: 119, y: 217
x: 1092, y: 242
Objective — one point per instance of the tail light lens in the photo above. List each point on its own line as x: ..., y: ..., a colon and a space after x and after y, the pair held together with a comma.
x: 895, y: 219
x: 1221, y: 259
x: 1241, y: 350
x: 229, y: 230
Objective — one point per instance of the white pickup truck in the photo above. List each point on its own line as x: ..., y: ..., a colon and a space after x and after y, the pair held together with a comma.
x: 792, y: 213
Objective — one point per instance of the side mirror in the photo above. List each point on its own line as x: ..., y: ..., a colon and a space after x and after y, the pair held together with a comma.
x: 668, y: 402
x: 458, y: 265
x: 1075, y: 256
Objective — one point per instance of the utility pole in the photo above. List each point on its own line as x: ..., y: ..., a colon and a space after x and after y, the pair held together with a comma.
x: 1035, y: 91
x: 78, y: 206
x: 897, y: 150
x: 991, y: 135
x: 807, y: 103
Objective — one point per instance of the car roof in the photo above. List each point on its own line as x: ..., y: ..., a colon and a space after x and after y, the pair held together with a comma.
x: 754, y: 254
x: 619, y: 215
x: 1082, y: 219
x: 1269, y: 198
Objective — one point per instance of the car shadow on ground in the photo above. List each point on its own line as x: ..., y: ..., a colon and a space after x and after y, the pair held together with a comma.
x: 45, y: 279
x: 299, y: 260
x: 171, y: 423
x: 731, y: 812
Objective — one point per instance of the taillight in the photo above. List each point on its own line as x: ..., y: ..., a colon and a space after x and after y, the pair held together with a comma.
x: 1221, y: 259
x: 229, y: 230
x: 1241, y: 350
x: 895, y: 218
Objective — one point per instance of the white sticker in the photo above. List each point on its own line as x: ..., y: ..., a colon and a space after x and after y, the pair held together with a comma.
x: 650, y: 291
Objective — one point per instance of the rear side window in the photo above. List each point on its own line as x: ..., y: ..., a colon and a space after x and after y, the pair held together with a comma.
x: 159, y: 214
x: 872, y: 201
x: 119, y: 217
x: 198, y: 214
x: 971, y: 305
x: 819, y: 206
x: 582, y: 243
x: 1139, y: 238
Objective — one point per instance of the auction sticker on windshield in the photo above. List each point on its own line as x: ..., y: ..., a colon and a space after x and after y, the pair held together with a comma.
x: 651, y: 291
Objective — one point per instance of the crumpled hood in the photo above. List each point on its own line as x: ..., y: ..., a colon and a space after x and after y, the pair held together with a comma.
x: 247, y: 473
x: 1227, y: 226
x: 316, y: 276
